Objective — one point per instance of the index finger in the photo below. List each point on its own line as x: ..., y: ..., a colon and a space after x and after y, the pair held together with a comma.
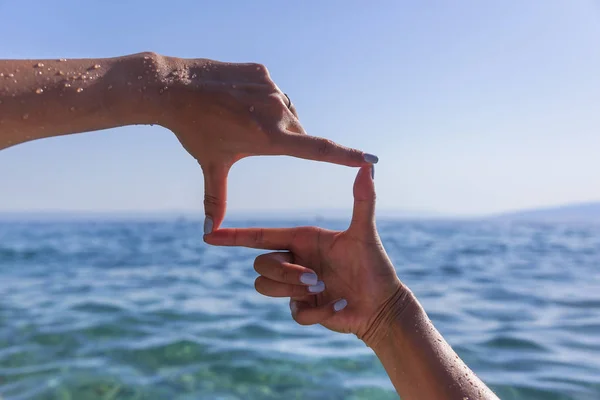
x: 256, y: 238
x: 321, y: 149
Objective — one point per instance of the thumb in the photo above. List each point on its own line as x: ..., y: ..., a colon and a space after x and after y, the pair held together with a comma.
x: 215, y: 196
x: 363, y: 215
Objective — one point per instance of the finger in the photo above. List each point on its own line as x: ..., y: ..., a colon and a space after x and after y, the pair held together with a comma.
x: 279, y: 267
x: 320, y: 149
x: 271, y: 288
x: 215, y: 196
x: 256, y: 238
x: 305, y: 314
x: 363, y: 214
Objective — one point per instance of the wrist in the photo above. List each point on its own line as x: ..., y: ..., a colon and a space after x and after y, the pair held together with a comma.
x: 395, y: 310
x: 132, y: 88
x: 184, y: 84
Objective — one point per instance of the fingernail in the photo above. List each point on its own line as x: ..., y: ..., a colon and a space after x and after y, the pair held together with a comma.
x: 293, y: 307
x: 373, y: 172
x: 370, y: 158
x: 208, y: 225
x: 309, y: 278
x: 318, y: 288
x: 340, y: 305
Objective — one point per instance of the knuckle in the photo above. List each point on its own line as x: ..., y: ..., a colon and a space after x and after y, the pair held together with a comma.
x: 261, y: 69
x: 259, y: 285
x: 259, y: 236
x: 257, y: 263
x: 210, y: 200
x: 284, y: 274
x: 302, y: 321
x: 325, y: 147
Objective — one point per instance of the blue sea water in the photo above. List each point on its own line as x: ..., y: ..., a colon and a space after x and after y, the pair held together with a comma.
x: 145, y: 310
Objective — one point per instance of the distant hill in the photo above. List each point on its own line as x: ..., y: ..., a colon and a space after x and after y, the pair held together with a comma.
x: 584, y: 212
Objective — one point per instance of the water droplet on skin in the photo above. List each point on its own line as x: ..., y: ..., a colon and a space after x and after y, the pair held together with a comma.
x: 139, y: 77
x: 39, y: 65
x: 72, y: 108
x: 60, y: 73
x: 48, y: 68
x: 128, y: 83
x: 40, y: 73
x: 11, y: 75
x: 233, y: 86
x: 39, y: 91
x: 79, y: 90
x: 194, y: 76
x: 251, y: 108
x: 25, y: 116
x: 109, y: 87
x: 146, y: 57
x: 67, y: 85
x: 62, y: 59
x: 97, y: 66
x: 1, y: 74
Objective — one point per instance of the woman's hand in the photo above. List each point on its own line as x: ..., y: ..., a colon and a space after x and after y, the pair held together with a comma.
x: 220, y: 112
x: 223, y: 112
x: 346, y: 282
x: 341, y: 280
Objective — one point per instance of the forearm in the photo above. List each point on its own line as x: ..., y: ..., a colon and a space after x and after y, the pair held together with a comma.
x: 418, y: 360
x: 44, y: 98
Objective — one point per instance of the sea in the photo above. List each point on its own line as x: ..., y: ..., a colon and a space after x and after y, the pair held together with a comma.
x: 130, y: 309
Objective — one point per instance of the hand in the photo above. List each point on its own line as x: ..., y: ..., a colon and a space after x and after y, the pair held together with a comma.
x: 352, y: 266
x: 223, y: 112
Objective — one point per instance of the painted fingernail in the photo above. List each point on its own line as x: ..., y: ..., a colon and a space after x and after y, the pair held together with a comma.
x: 309, y: 278
x: 208, y: 225
x: 373, y: 172
x: 370, y: 158
x: 293, y: 307
x: 340, y: 305
x: 318, y: 288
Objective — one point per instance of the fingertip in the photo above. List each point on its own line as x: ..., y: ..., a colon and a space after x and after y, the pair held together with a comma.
x: 208, y: 225
x: 340, y: 305
x: 370, y: 158
x: 364, y: 188
x: 219, y: 237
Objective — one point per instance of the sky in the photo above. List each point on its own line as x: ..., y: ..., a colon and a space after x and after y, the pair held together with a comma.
x: 472, y: 107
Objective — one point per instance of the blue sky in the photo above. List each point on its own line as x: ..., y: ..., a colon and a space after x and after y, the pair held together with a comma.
x: 472, y: 107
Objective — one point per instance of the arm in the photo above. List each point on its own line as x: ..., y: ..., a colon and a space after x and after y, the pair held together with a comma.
x: 45, y: 98
x: 359, y: 292
x: 220, y: 112
x: 419, y: 362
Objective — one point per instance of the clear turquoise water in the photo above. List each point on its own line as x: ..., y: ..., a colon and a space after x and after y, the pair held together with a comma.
x: 145, y: 310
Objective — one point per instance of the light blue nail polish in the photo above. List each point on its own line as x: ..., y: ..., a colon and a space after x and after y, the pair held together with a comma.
x: 318, y: 288
x: 309, y: 278
x: 208, y: 225
x: 340, y: 305
x: 370, y: 158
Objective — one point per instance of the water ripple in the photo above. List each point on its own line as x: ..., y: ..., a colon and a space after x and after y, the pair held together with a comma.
x: 145, y: 310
